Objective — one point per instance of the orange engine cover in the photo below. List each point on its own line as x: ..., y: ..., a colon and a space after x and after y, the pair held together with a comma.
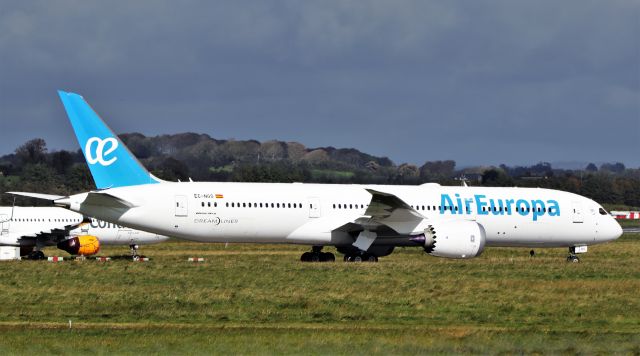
x: 84, y: 245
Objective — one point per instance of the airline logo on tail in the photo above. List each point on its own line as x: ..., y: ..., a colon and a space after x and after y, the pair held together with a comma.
x: 100, y: 152
x: 110, y: 162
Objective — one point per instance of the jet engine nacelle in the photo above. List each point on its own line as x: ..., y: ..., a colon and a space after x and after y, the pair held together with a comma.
x: 454, y: 239
x: 84, y: 245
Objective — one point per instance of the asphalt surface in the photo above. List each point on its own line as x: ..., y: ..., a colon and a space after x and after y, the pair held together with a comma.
x: 631, y: 229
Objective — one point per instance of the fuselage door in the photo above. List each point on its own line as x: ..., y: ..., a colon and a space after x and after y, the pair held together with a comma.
x: 4, y: 222
x: 181, y: 205
x: 314, y: 208
x: 577, y: 212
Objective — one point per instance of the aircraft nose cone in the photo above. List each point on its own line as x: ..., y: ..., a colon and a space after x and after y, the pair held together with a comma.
x: 614, y: 231
x: 618, y: 231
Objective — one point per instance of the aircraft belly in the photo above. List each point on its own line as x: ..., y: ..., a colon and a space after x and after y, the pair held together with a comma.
x: 536, y: 234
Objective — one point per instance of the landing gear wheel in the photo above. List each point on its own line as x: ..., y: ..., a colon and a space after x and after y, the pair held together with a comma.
x: 36, y: 255
x: 306, y: 257
x: 327, y: 257
x: 573, y: 258
x: 360, y: 257
x: 572, y: 255
x: 316, y: 255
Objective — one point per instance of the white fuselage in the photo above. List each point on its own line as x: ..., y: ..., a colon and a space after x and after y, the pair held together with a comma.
x: 312, y: 213
x: 27, y: 226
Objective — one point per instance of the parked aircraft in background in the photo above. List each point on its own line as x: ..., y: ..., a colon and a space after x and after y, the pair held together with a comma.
x: 32, y: 228
x: 363, y: 222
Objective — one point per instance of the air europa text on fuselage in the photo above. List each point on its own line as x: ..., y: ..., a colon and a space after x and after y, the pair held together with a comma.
x: 496, y: 206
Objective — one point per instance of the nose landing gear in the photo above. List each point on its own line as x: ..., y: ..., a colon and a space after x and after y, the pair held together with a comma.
x: 573, y: 251
x: 573, y: 258
x: 134, y: 252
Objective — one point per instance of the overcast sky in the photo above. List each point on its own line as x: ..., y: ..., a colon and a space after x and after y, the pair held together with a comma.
x: 480, y: 82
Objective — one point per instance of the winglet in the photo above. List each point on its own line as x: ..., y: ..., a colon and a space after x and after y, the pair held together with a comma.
x: 112, y: 165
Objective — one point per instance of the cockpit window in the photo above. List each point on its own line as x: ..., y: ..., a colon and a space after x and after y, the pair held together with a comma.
x: 603, y: 212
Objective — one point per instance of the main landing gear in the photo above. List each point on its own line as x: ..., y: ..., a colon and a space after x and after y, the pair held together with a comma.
x: 354, y: 254
x: 316, y: 255
x: 36, y: 255
x: 360, y: 257
x: 351, y: 254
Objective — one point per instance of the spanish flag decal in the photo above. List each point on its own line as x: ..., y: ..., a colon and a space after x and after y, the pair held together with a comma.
x: 219, y: 196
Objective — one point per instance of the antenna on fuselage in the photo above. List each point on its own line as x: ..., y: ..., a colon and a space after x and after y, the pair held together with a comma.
x: 463, y: 180
x: 13, y: 208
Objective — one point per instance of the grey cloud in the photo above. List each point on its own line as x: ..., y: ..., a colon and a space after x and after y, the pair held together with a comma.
x: 479, y: 82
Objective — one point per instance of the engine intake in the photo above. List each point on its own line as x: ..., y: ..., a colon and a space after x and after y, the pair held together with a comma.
x: 84, y: 245
x: 453, y: 239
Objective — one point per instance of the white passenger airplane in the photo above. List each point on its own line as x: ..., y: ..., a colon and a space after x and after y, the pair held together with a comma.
x: 32, y: 228
x: 363, y: 222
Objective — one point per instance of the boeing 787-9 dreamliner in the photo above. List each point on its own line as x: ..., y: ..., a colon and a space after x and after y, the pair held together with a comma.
x: 363, y: 222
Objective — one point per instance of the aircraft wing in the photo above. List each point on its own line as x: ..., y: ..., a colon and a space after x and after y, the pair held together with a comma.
x: 47, y: 237
x: 47, y: 234
x: 389, y: 210
x: 385, y: 210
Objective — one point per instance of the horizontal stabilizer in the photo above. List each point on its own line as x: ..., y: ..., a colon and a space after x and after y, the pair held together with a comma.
x: 48, y: 197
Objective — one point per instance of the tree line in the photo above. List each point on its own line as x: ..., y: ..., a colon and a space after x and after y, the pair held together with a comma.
x: 32, y: 167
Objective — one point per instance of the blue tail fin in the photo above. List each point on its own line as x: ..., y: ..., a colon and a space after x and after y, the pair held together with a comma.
x: 111, y: 163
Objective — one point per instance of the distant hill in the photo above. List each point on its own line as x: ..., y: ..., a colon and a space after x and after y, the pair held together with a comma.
x: 203, y: 157
x: 200, y: 157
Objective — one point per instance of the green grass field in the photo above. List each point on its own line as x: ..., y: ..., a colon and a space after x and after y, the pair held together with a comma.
x: 258, y: 299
